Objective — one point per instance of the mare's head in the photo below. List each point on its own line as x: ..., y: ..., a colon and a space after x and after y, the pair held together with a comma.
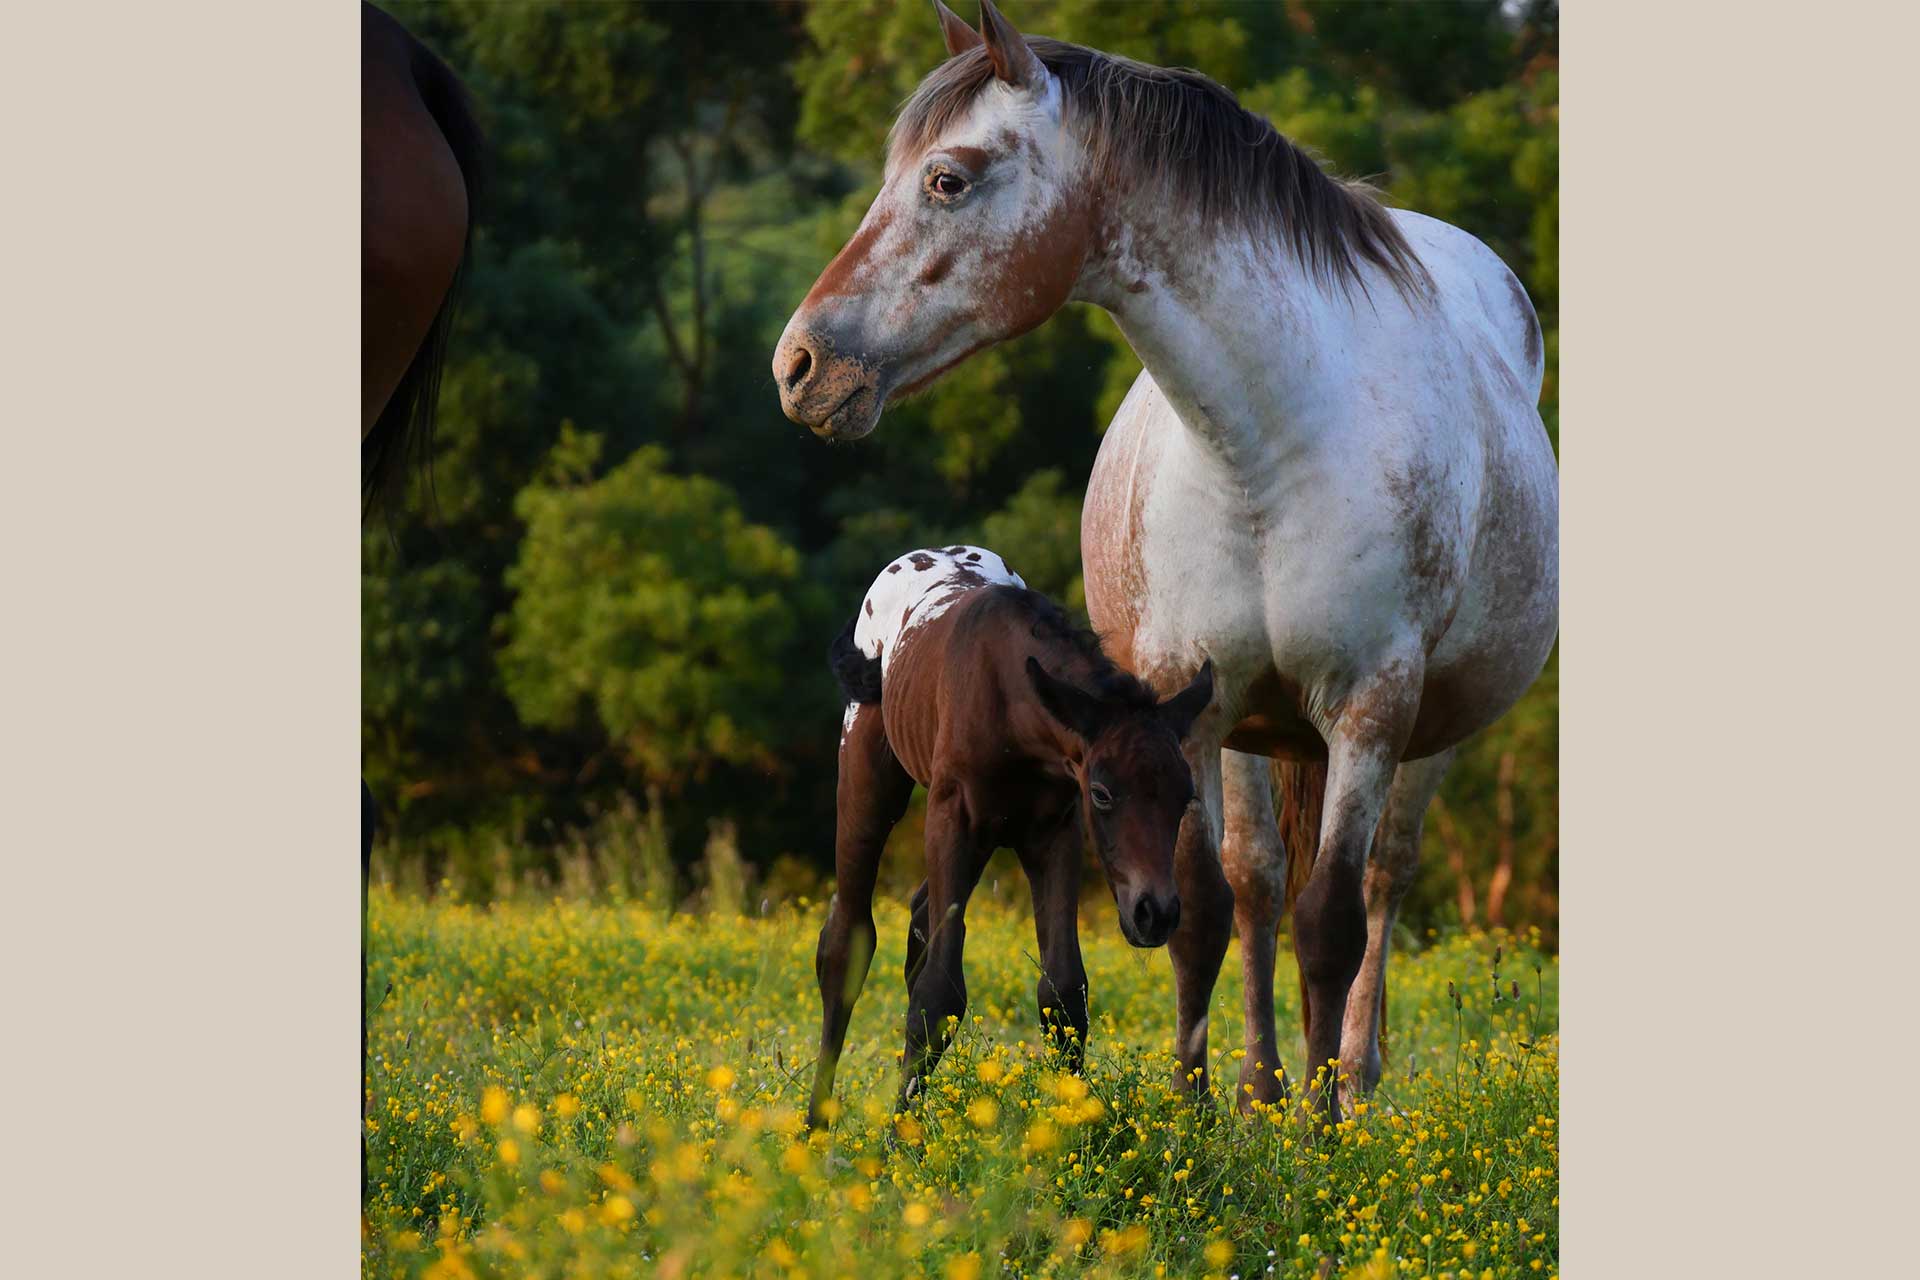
x: 1134, y: 787
x: 1017, y: 178
x: 978, y: 234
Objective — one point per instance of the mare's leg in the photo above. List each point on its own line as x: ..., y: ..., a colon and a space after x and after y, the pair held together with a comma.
x: 1330, y: 918
x: 1256, y: 867
x: 1390, y: 873
x: 1206, y: 915
x: 873, y: 793
x: 1052, y: 862
x: 939, y: 992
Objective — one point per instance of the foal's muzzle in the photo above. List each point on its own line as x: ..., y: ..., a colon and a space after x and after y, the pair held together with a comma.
x: 1151, y: 919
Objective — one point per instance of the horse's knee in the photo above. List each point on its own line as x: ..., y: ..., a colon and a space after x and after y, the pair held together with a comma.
x: 1330, y: 926
x: 1256, y: 871
x: 841, y: 937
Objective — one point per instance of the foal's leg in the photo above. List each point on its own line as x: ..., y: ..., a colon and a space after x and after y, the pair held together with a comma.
x: 1330, y: 918
x: 1206, y: 915
x: 1256, y: 867
x: 1390, y: 873
x: 939, y: 992
x: 918, y: 930
x: 873, y: 793
x: 1052, y: 863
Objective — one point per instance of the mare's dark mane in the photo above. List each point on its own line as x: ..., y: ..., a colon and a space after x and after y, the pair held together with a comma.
x: 1184, y: 136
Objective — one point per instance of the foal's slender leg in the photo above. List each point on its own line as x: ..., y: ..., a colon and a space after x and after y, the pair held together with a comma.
x: 1330, y: 918
x: 1206, y: 915
x: 939, y: 992
x: 873, y: 793
x: 1052, y: 862
x: 1390, y: 873
x: 918, y: 930
x: 1256, y: 867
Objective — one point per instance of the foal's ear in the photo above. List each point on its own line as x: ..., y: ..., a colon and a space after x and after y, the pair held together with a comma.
x: 1184, y: 707
x: 959, y: 36
x: 1073, y: 707
x: 1007, y: 49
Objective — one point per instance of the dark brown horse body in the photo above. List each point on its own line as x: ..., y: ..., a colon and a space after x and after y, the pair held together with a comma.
x: 1025, y: 736
x: 419, y: 177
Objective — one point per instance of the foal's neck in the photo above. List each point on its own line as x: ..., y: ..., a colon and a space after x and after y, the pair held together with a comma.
x: 1249, y: 349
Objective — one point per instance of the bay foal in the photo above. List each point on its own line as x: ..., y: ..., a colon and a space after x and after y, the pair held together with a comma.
x: 1026, y: 736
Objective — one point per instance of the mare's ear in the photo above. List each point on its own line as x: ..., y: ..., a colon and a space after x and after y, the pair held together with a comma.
x: 959, y: 36
x: 1073, y: 707
x: 1184, y: 707
x: 1007, y: 49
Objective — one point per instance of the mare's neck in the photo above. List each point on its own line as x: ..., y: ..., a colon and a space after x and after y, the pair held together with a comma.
x: 1251, y: 352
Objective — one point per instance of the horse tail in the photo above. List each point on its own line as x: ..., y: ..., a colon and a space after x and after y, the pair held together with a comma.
x: 859, y: 675
x: 404, y: 430
x: 1303, y: 787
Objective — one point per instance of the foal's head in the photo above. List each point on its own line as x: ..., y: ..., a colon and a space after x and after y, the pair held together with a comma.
x: 1134, y: 789
x: 978, y: 234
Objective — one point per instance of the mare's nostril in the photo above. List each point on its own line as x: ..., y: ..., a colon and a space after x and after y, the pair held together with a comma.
x: 1143, y: 916
x: 798, y: 368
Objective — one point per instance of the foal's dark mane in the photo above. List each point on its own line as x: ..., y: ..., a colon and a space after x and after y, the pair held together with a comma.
x: 1050, y: 625
x: 1188, y: 138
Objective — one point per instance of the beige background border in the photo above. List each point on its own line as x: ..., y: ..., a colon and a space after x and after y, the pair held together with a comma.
x: 181, y: 716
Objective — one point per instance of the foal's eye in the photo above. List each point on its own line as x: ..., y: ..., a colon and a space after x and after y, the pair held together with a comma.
x: 1102, y: 798
x: 946, y: 185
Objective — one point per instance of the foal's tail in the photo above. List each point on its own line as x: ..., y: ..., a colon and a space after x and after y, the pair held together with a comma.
x: 404, y: 430
x: 859, y: 675
x: 1302, y: 789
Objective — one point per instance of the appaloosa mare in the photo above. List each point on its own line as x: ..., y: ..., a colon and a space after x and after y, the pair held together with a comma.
x: 1025, y: 735
x: 1331, y: 479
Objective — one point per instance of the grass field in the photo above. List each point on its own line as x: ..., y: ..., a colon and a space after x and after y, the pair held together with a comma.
x: 557, y: 1089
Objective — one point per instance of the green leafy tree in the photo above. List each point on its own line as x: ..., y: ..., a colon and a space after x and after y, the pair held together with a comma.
x: 649, y: 609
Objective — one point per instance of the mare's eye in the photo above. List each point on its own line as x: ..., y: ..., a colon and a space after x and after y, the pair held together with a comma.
x: 946, y: 185
x: 1102, y: 798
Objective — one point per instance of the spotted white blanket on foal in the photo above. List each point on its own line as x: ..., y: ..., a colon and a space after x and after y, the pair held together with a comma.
x: 919, y: 587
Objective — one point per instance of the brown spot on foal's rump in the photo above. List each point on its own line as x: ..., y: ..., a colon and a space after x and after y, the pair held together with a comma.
x: 869, y: 608
x: 974, y: 557
x: 921, y: 560
x: 893, y: 568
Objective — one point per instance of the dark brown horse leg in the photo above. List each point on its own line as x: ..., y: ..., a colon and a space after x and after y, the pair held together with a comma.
x: 1255, y: 866
x: 1052, y: 863
x: 1206, y: 919
x: 1330, y: 918
x: 917, y: 933
x: 939, y: 993
x: 1390, y: 873
x: 873, y: 793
